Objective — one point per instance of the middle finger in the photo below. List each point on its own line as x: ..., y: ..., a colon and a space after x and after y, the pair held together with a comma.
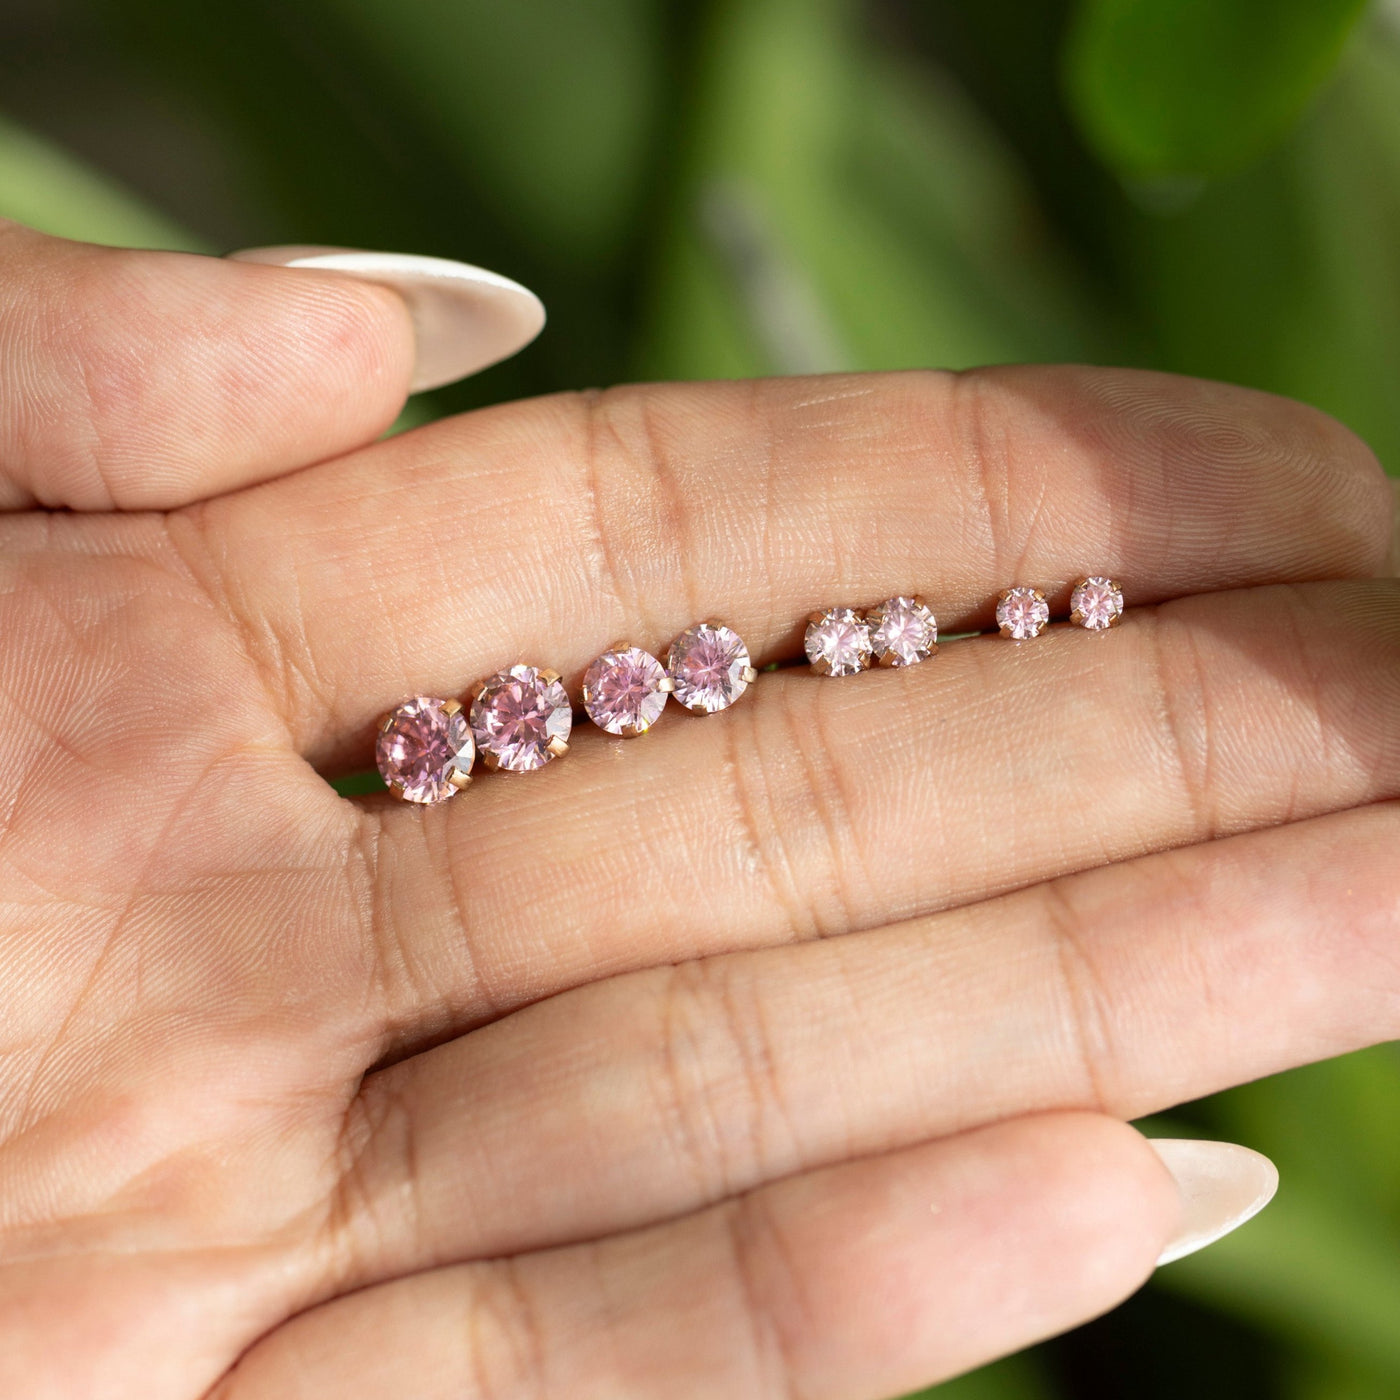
x: 820, y: 807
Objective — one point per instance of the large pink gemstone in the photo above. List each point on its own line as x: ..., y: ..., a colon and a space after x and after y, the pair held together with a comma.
x: 521, y: 719
x: 623, y: 691
x: 837, y: 642
x: 1096, y: 603
x: 710, y: 665
x: 425, y: 749
x: 1022, y: 613
x: 905, y: 632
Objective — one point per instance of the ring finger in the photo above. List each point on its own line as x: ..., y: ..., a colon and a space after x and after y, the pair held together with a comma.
x: 1124, y: 990
x: 820, y: 807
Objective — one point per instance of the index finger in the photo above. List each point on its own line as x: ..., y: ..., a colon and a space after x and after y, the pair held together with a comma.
x: 544, y: 530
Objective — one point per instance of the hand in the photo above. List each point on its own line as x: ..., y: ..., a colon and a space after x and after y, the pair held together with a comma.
x: 781, y: 1053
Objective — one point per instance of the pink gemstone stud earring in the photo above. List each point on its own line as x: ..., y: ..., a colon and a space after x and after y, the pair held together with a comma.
x: 710, y: 667
x: 625, y: 690
x: 1022, y: 613
x: 837, y: 642
x: 1096, y: 604
x: 425, y: 750
x: 903, y: 631
x: 521, y: 718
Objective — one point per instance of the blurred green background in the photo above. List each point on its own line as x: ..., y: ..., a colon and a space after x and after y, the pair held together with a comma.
x: 731, y: 187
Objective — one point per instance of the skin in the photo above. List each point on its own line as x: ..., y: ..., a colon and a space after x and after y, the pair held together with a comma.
x: 784, y: 1053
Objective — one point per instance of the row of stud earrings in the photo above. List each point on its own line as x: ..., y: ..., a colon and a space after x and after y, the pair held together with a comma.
x: 903, y: 631
x: 521, y: 718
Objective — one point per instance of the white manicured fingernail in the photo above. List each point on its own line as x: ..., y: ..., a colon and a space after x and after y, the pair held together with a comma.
x: 465, y: 317
x: 1222, y: 1185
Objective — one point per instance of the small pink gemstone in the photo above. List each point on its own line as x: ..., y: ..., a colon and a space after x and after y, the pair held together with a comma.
x: 905, y: 632
x: 622, y: 691
x: 838, y: 642
x: 710, y: 665
x: 422, y: 748
x: 520, y: 718
x: 1022, y: 613
x: 1096, y: 603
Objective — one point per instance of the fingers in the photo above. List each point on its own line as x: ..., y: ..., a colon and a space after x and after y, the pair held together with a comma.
x: 1393, y: 561
x: 464, y: 318
x: 817, y: 806
x: 1124, y: 990
x: 142, y: 380
x: 851, y: 1283
x: 546, y: 530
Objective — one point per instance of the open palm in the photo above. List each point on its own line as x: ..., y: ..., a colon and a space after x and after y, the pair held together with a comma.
x: 780, y: 1054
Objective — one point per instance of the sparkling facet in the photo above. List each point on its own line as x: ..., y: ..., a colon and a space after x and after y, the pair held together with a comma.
x: 905, y: 632
x: 1022, y: 613
x: 516, y: 717
x: 422, y: 749
x: 708, y: 663
x: 622, y: 691
x: 838, y: 642
x: 1096, y: 603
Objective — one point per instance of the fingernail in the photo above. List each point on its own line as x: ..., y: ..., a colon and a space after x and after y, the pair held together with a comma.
x: 1222, y: 1185
x: 465, y: 317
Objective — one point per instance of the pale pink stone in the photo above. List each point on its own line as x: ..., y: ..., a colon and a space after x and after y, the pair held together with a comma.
x: 1096, y: 603
x: 625, y: 691
x: 521, y: 718
x: 710, y: 666
x: 1022, y: 613
x: 905, y: 632
x: 838, y: 642
x: 424, y: 749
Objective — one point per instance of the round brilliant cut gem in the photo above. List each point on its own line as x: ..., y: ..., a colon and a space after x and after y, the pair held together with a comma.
x: 838, y: 642
x: 1022, y: 613
x: 624, y: 691
x: 425, y: 749
x: 904, y: 631
x: 710, y: 666
x: 521, y: 718
x: 1096, y: 603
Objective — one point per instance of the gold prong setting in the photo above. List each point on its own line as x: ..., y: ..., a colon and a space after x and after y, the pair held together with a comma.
x: 904, y: 631
x: 521, y: 718
x: 625, y: 690
x: 424, y: 750
x: 1022, y: 613
x: 837, y: 642
x: 1096, y: 603
x: 710, y: 667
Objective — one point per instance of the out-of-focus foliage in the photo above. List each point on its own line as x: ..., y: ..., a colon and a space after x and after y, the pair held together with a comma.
x: 46, y: 188
x: 725, y: 187
x: 1184, y: 88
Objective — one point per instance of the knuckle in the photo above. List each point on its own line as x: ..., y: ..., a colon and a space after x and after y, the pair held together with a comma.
x: 1087, y: 1001
x: 810, y: 811
x: 635, y: 518
x: 378, y: 1143
x: 720, y: 1077
x: 1183, y: 718
x: 508, y: 1351
x: 769, y: 1285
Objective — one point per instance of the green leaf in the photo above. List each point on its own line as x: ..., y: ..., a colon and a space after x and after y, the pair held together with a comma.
x: 1015, y: 1378
x: 1165, y: 89
x: 1312, y: 1267
x: 46, y: 188
x: 1285, y: 276
x: 845, y: 209
x: 547, y: 108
